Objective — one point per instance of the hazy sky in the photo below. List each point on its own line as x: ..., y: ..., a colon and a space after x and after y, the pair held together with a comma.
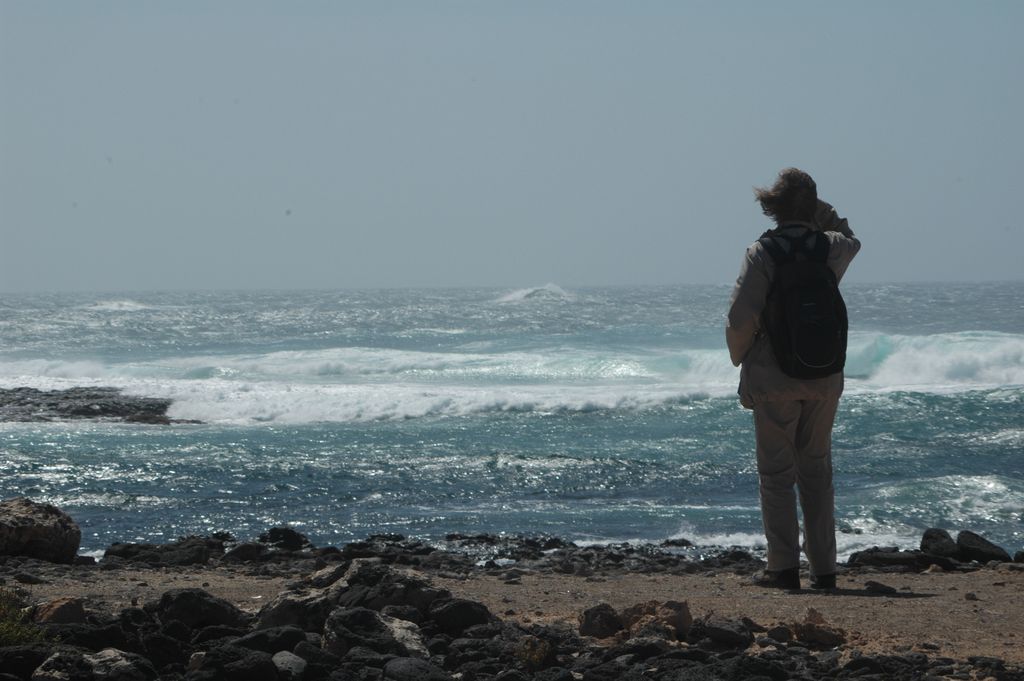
x: 148, y: 145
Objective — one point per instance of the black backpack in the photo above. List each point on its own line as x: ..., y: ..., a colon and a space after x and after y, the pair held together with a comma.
x: 805, y: 315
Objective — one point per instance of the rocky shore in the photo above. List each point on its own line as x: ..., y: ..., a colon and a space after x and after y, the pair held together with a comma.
x: 488, y: 607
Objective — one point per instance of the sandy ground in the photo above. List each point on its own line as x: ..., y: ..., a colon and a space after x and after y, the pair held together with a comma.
x: 942, y: 614
x: 956, y: 615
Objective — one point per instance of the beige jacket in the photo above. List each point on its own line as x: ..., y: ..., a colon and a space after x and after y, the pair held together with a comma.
x: 761, y: 380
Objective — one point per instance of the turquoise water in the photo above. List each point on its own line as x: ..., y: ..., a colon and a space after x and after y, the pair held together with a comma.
x: 596, y: 414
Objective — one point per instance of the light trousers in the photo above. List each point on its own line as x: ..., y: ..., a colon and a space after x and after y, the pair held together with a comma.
x: 794, y: 449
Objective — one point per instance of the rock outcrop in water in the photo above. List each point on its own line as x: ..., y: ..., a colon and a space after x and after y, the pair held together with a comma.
x: 30, y: 404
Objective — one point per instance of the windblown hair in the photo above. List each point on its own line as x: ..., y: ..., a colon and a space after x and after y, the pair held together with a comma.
x: 793, y: 197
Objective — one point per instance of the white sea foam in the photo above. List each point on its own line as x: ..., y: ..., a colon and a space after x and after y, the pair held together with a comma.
x: 867, y: 534
x: 224, y: 401
x: 118, y: 306
x: 43, y: 373
x: 943, y: 363
x: 359, y: 384
x: 963, y: 499
x: 545, y: 292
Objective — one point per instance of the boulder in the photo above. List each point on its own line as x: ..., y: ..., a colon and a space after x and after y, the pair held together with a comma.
x: 184, y: 551
x: 640, y: 648
x: 938, y: 542
x: 246, y: 552
x: 727, y: 632
x: 816, y: 631
x: 305, y: 611
x: 111, y: 664
x: 285, y: 538
x: 403, y: 612
x: 454, y: 615
x: 819, y: 634
x: 975, y: 547
x: 600, y: 621
x: 348, y: 628
x: 321, y: 579
x: 290, y: 667
x: 196, y: 609
x: 163, y: 650
x: 94, y: 637
x: 61, y: 611
x: 672, y: 617
x: 36, y: 530
x: 374, y: 586
x: 413, y: 669
x: 319, y: 662
x: 216, y: 632
x: 232, y: 663
x: 892, y: 557
x: 64, y: 666
x: 22, y: 660
x: 272, y: 640
x: 535, y: 653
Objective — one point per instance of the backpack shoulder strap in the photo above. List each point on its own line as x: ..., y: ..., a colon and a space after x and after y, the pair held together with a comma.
x: 819, y: 251
x: 777, y: 252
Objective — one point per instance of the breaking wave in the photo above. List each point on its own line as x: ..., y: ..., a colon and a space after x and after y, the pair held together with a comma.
x: 360, y: 384
x: 545, y: 292
x: 118, y: 306
x: 949, y: 362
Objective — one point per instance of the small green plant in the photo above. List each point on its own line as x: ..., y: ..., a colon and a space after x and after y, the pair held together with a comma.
x: 14, y: 630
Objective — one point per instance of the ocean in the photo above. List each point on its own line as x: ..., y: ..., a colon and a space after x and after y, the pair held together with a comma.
x: 596, y: 415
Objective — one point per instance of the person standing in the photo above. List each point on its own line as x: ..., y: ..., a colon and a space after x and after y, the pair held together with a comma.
x: 793, y: 416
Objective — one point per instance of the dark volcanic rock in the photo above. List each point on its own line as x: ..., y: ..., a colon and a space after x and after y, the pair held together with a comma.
x: 215, y: 632
x: 376, y: 586
x: 246, y: 552
x: 91, y: 637
x: 196, y: 609
x: 413, y: 669
x: 319, y: 662
x: 29, y: 404
x: 600, y: 621
x: 233, y: 663
x: 285, y: 538
x: 308, y: 612
x: 453, y: 616
x: 43, y: 531
x: 163, y: 650
x: 727, y: 632
x: 184, y: 551
x: 272, y: 640
x: 66, y: 666
x: 669, y: 619
x: 21, y: 661
x: 290, y: 667
x: 892, y: 557
x: 641, y: 648
x: 938, y: 542
x: 111, y: 664
x: 975, y: 547
x: 347, y: 628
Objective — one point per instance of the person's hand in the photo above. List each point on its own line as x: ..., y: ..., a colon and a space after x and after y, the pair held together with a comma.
x: 825, y: 216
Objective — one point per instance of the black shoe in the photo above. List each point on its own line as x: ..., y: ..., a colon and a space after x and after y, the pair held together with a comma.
x: 781, y: 579
x: 823, y: 581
